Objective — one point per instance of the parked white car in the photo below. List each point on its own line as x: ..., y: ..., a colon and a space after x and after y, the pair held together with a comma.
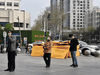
x: 37, y: 42
x: 86, y: 49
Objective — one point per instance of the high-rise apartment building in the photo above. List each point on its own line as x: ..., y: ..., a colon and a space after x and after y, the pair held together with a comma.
x: 10, y: 11
x: 92, y: 18
x: 75, y: 11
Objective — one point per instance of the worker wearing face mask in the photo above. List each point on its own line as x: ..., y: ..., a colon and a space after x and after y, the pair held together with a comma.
x: 47, y: 51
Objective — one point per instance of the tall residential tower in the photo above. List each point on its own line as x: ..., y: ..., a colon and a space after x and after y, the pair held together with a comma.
x: 75, y: 11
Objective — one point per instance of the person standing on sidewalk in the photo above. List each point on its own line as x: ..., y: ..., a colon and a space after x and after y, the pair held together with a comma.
x: 47, y: 52
x: 27, y: 47
x: 73, y: 49
x: 11, y: 51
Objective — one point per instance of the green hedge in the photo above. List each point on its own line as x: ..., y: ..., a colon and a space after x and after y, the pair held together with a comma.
x: 30, y: 34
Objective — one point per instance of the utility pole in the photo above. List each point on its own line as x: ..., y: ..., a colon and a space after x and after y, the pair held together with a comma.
x: 44, y: 32
x: 19, y: 31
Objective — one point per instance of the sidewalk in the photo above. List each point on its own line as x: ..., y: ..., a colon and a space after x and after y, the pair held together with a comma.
x: 27, y: 65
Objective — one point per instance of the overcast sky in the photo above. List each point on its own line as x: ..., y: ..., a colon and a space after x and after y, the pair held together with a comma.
x: 34, y: 7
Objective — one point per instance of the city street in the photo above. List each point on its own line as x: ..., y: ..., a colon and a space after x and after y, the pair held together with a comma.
x: 37, y: 27
x: 27, y: 65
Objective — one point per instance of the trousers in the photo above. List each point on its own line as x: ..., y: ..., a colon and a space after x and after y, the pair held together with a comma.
x: 11, y: 60
x: 47, y: 59
x: 74, y: 59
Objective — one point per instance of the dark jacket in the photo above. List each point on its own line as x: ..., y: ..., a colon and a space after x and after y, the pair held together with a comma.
x: 73, y: 44
x: 11, y: 43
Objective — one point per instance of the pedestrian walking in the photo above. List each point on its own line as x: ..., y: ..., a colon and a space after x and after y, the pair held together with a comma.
x: 17, y: 43
x: 73, y: 49
x: 27, y: 48
x: 47, y: 52
x: 11, y: 52
x: 2, y: 47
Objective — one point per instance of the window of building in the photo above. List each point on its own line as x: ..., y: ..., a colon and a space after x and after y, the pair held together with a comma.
x: 80, y: 16
x: 73, y: 13
x: 73, y: 10
x: 27, y: 25
x: 17, y: 24
x: 74, y: 4
x: 16, y: 4
x: 73, y: 22
x: 80, y: 22
x: 9, y: 4
x: 77, y: 13
x: 83, y: 10
x: 83, y: 7
x: 97, y: 23
x: 80, y: 7
x: 80, y: 19
x: 2, y: 4
x: 77, y: 4
x: 77, y: 19
x: 21, y: 24
x: 80, y: 13
x: 80, y: 10
x: 3, y: 23
x: 77, y: 28
x: 73, y: 25
x: 80, y: 1
x: 80, y: 25
x: 73, y: 1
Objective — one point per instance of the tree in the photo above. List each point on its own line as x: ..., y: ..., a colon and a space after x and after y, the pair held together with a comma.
x: 8, y: 26
x: 97, y: 33
x: 54, y: 21
x: 38, y: 23
x: 57, y: 17
x: 0, y: 27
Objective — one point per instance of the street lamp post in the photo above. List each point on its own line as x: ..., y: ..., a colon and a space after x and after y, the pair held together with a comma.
x: 19, y: 31
x: 44, y: 32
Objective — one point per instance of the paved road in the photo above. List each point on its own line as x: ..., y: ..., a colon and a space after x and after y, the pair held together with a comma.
x: 27, y: 65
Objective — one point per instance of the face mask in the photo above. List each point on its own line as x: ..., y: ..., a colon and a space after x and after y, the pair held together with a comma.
x: 48, y: 38
x: 9, y: 33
